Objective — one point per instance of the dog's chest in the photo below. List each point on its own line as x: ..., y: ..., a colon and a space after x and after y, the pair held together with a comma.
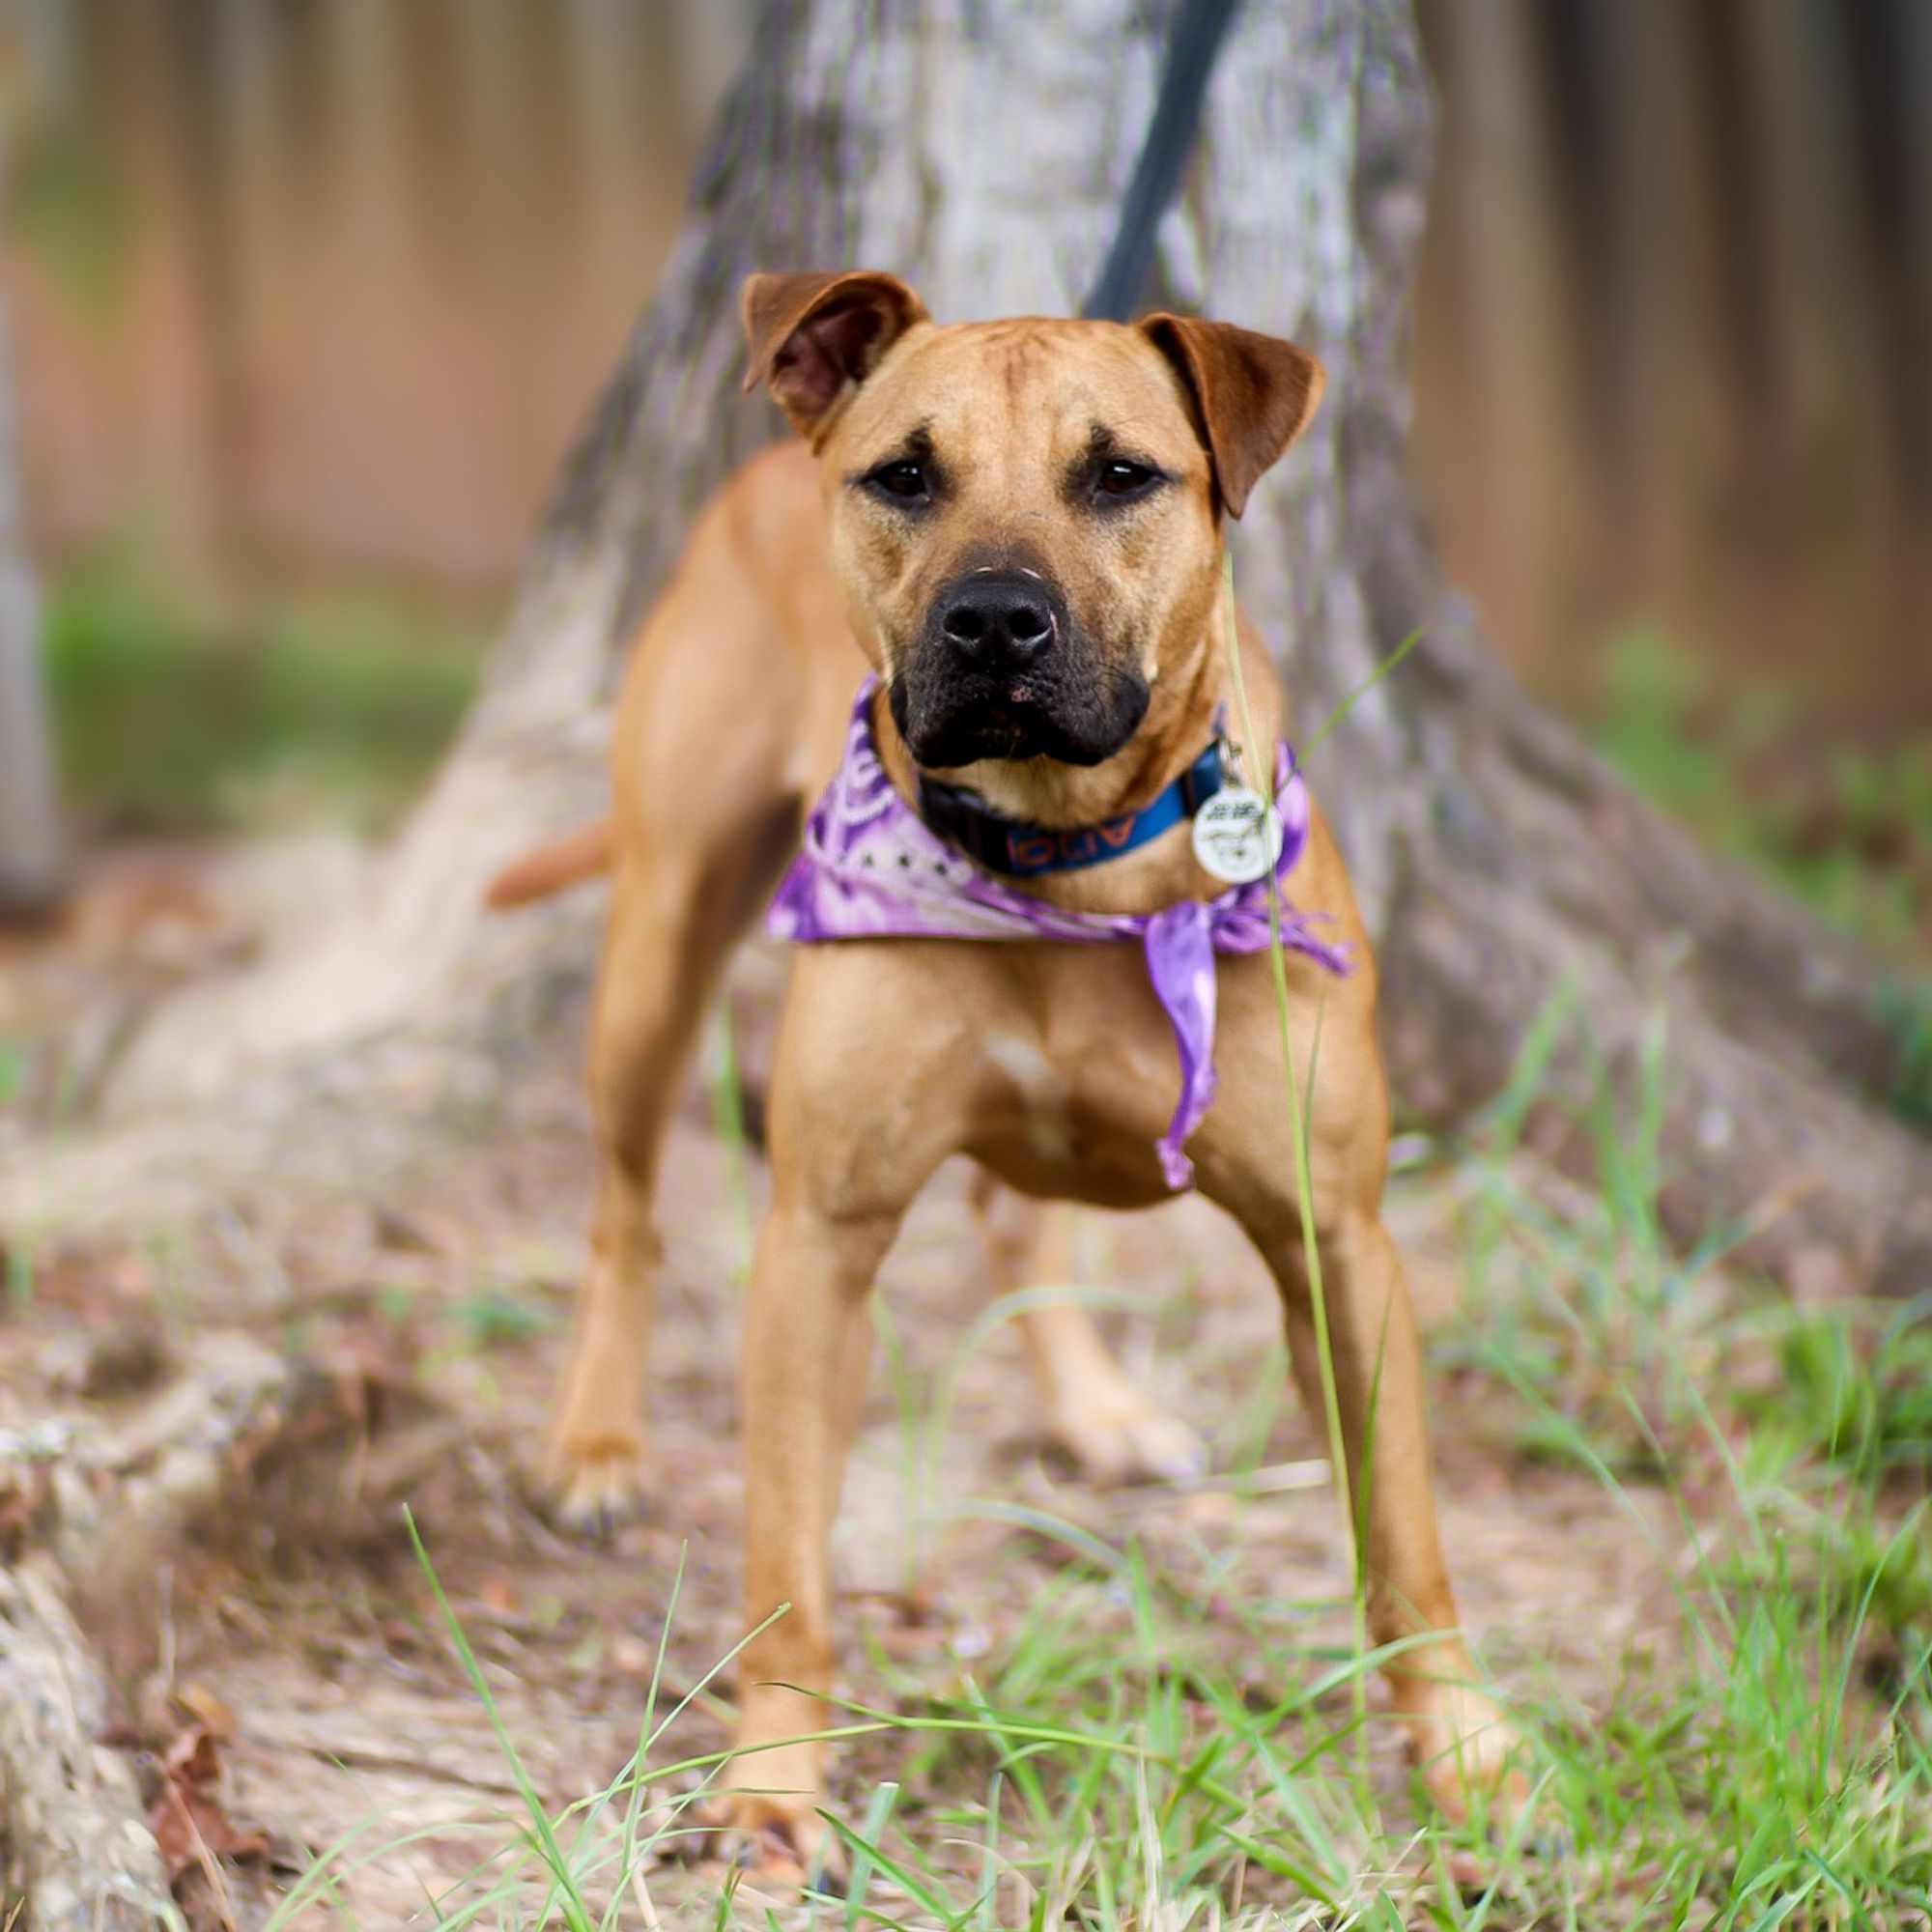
x: 1077, y: 1081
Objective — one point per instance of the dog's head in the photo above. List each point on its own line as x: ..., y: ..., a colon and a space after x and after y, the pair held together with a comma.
x: 1025, y: 516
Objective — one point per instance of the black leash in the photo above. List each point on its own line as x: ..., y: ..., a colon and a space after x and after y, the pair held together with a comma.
x: 1199, y: 29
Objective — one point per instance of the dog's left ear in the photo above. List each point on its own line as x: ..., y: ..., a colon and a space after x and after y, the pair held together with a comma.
x: 1254, y: 394
x: 814, y: 338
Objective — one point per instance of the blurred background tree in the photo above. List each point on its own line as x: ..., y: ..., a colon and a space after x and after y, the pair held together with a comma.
x: 326, y: 290
x: 29, y: 835
x: 319, y: 290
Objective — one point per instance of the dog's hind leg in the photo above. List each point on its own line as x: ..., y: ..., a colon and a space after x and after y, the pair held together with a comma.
x: 733, y: 712
x: 1110, y: 1427
x: 673, y: 919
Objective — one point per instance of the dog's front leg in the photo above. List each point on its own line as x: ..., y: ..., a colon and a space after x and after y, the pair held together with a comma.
x: 1456, y: 1734
x: 807, y: 1343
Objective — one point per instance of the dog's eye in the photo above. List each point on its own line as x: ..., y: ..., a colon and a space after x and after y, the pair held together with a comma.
x: 1121, y: 479
x: 905, y: 480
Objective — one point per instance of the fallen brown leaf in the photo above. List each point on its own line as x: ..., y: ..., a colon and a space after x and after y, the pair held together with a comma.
x: 187, y: 1821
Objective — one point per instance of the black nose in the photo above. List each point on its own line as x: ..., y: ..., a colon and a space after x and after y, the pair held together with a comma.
x: 997, y: 617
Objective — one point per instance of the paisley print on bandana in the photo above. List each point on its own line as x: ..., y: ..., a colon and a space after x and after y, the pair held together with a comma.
x: 872, y: 868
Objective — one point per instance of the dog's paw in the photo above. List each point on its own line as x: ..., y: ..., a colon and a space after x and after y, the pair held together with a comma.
x: 775, y: 1839
x: 1130, y: 1442
x: 599, y: 1486
x: 1469, y: 1757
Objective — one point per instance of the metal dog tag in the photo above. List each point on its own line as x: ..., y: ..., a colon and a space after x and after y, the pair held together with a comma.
x: 1237, y: 837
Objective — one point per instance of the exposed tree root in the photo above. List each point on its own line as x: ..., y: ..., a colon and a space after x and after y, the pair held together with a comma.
x: 73, y: 1822
x: 92, y: 1519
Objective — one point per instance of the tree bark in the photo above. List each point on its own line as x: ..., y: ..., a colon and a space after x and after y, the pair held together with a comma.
x: 103, y: 1515
x: 980, y: 147
x: 68, y: 1804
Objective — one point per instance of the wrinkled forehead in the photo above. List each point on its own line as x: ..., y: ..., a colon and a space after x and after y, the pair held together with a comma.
x: 1029, y: 389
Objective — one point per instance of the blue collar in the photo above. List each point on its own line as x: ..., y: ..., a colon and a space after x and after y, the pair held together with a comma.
x: 1023, y: 851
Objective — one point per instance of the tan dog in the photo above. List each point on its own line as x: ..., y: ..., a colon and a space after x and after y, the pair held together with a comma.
x: 1078, y: 471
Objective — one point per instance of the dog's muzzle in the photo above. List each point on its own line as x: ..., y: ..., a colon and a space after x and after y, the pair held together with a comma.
x: 1002, y: 670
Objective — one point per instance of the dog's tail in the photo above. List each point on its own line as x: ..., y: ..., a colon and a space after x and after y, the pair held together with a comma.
x: 578, y: 855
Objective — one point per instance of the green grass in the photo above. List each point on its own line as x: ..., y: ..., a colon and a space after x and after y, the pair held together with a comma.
x: 173, y: 712
x: 1847, y: 832
x: 14, y: 1063
x: 1120, y: 1759
x: 1850, y: 832
x: 1123, y: 1757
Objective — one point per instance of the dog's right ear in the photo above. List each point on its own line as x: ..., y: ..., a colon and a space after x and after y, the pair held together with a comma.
x: 1254, y: 394
x: 814, y: 338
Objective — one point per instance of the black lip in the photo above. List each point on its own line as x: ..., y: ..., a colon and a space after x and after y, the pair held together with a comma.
x: 959, y: 726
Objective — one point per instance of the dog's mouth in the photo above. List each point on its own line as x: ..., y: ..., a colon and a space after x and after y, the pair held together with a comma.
x: 963, y: 717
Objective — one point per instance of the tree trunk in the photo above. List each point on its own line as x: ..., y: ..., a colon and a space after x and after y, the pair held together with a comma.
x: 979, y: 148
x: 29, y: 835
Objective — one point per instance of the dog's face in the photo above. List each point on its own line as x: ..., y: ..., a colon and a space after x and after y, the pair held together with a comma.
x: 1025, y: 515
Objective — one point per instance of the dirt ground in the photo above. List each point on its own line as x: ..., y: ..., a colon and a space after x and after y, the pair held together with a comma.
x: 301, y: 1629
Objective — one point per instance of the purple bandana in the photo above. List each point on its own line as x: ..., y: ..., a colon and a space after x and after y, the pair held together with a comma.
x: 872, y: 868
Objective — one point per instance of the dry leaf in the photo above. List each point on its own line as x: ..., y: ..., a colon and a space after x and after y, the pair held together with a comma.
x: 188, y: 1820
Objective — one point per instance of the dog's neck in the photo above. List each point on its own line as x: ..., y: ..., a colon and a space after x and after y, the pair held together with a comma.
x: 1182, y: 714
